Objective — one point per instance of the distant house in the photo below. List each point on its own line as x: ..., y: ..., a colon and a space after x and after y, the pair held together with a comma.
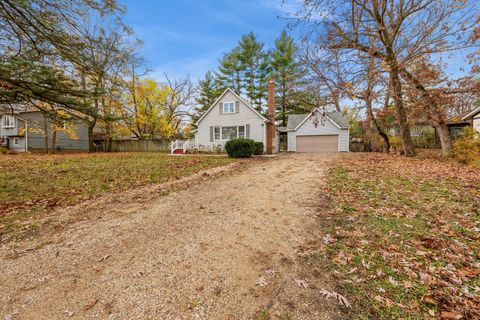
x: 470, y: 118
x: 473, y: 117
x: 23, y: 131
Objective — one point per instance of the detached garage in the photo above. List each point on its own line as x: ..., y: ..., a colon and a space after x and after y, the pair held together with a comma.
x: 317, y: 132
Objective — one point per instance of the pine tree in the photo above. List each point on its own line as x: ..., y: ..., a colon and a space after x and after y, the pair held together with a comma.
x: 255, y: 64
x: 288, y: 74
x: 208, y: 92
x: 230, y: 70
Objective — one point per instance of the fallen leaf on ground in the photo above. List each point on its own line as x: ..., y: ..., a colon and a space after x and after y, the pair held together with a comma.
x: 69, y: 313
x: 261, y: 282
x: 302, y: 283
x: 451, y: 315
x: 334, y: 295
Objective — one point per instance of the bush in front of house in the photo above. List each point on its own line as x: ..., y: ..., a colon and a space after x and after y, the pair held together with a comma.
x: 240, y: 148
x: 466, y: 149
x: 258, y: 148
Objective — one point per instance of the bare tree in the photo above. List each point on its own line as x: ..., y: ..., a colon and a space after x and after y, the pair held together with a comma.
x: 403, y: 32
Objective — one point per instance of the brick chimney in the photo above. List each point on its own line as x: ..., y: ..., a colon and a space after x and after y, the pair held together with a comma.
x: 271, y: 117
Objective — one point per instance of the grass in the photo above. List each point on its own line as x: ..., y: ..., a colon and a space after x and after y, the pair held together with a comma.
x: 407, y: 237
x: 33, y: 184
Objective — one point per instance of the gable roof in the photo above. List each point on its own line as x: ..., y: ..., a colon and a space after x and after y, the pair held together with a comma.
x: 238, y: 97
x: 337, y: 118
x: 473, y: 112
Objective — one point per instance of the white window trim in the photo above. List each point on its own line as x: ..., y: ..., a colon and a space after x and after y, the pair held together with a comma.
x: 16, y: 142
x: 221, y: 135
x: 4, y: 120
x: 229, y: 102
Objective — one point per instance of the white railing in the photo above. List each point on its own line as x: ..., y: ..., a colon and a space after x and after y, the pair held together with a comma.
x: 190, y: 144
x: 183, y: 145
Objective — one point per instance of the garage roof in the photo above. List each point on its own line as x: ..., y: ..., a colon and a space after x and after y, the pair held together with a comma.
x: 295, y: 120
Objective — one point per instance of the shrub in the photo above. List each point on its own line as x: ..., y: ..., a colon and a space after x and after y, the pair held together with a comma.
x: 466, y: 149
x: 258, y: 148
x: 3, y: 150
x: 240, y: 148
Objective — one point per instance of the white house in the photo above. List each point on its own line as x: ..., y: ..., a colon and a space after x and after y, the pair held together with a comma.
x: 232, y: 117
x: 317, y: 132
x: 473, y: 117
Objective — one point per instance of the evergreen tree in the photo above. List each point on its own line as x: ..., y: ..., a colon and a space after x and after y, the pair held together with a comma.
x: 255, y: 64
x: 288, y: 74
x: 229, y: 73
x: 208, y: 92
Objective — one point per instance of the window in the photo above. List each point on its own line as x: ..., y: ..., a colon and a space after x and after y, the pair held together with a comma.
x: 8, y: 122
x: 217, y: 134
x: 229, y: 107
x: 16, y: 142
x: 227, y: 133
x: 241, y: 131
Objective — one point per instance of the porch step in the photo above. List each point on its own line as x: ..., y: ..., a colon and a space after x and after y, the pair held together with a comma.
x: 178, y: 151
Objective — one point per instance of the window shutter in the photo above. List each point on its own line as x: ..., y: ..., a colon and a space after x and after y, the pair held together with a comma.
x: 221, y: 107
x: 211, y: 134
x: 237, y: 106
x: 247, y: 131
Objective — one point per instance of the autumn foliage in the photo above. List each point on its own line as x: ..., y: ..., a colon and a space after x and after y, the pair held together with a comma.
x: 403, y: 236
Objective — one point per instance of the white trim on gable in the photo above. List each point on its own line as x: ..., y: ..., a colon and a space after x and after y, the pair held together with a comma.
x: 237, y: 96
x: 311, y: 113
x: 472, y: 113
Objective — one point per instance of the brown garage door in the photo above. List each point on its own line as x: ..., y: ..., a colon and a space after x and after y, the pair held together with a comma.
x: 317, y: 143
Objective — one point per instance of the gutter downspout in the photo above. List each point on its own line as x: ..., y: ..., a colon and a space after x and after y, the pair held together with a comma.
x: 26, y: 133
x: 26, y: 137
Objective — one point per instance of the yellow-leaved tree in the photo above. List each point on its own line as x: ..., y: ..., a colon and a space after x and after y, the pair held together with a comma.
x: 153, y: 110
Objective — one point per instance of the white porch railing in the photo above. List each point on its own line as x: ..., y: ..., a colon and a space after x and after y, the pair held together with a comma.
x: 183, y: 145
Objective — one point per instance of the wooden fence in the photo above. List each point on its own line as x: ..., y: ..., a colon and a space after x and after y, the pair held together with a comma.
x: 150, y: 145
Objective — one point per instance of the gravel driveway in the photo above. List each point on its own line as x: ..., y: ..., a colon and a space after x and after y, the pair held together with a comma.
x: 224, y: 248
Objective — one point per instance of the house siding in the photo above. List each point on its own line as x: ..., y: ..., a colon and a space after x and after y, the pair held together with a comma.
x: 36, y: 136
x: 7, y: 132
x: 21, y: 144
x: 325, y: 127
x: 245, y: 116
x: 476, y: 123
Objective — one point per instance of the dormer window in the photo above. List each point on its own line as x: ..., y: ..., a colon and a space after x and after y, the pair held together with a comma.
x: 229, y: 107
x: 8, y: 122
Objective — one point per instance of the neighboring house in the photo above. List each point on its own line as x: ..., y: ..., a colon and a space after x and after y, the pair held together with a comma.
x: 317, y: 132
x: 473, y: 117
x: 25, y: 131
x: 470, y: 118
x: 232, y: 117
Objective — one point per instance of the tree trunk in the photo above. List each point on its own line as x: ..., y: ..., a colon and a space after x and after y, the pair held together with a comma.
x: 91, y: 147
x: 407, y: 144
x: 54, y: 139
x: 445, y: 140
x: 284, y: 106
x: 433, y: 111
x: 378, y: 129
x: 45, y: 131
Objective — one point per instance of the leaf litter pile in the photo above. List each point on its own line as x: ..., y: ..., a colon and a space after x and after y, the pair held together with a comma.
x: 402, y: 237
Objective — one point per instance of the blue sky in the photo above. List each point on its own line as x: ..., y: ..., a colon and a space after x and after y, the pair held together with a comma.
x: 187, y: 37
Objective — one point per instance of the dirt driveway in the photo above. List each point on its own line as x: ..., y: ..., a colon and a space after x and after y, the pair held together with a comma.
x: 222, y: 249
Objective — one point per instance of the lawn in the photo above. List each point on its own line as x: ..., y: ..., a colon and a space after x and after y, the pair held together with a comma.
x: 34, y: 184
x: 402, y: 237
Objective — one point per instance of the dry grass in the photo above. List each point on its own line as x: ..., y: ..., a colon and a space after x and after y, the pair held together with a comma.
x: 31, y: 185
x: 405, y: 235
